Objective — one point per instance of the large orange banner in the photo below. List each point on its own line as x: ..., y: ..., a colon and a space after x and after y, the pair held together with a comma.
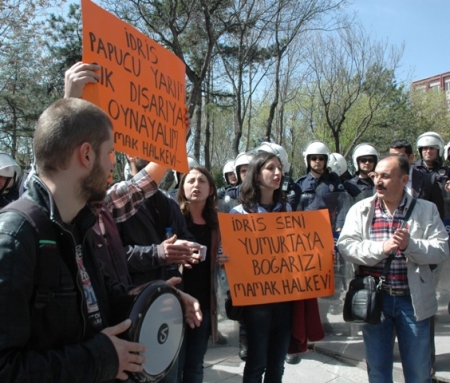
x: 278, y: 257
x: 142, y: 88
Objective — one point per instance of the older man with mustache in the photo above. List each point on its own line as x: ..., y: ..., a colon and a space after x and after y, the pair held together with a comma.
x: 370, y: 233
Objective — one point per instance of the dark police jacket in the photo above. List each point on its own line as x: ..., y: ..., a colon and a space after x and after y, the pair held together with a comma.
x: 425, y: 186
x: 356, y: 185
x: 323, y: 193
x: 439, y: 171
x: 55, y: 343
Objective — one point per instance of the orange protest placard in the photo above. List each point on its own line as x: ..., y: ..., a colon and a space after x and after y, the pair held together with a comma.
x: 142, y: 88
x: 278, y: 257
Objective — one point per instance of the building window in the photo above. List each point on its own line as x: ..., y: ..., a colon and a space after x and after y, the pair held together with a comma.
x: 435, y: 86
x: 420, y: 87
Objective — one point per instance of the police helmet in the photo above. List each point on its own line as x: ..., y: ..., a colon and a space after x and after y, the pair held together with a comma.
x: 227, y: 168
x: 192, y: 162
x: 446, y: 151
x: 432, y: 139
x: 242, y: 158
x: 362, y: 150
x: 279, y: 151
x: 337, y: 163
x: 9, y: 169
x: 315, y: 147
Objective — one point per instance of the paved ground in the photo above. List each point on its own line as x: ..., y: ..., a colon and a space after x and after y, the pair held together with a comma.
x: 224, y: 366
x: 339, y: 358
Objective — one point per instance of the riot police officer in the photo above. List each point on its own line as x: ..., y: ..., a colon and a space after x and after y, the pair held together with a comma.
x: 240, y: 169
x: 338, y: 164
x: 322, y: 189
x: 319, y: 187
x: 365, y: 158
x: 430, y: 146
x: 10, y: 173
x: 229, y: 177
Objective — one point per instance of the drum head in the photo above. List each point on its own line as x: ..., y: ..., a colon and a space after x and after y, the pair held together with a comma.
x: 158, y: 324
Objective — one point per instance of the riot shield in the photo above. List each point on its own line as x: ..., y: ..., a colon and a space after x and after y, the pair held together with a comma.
x: 339, y: 203
x: 226, y: 204
x: 364, y: 194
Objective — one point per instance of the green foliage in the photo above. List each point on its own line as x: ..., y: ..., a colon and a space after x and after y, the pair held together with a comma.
x: 326, y: 89
x: 430, y: 111
x: 216, y: 172
x: 24, y: 94
x: 23, y: 74
x: 64, y: 44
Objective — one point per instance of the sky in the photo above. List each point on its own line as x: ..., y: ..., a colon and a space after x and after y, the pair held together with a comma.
x: 421, y: 24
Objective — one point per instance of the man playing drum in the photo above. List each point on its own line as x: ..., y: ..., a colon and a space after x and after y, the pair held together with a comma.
x: 70, y: 338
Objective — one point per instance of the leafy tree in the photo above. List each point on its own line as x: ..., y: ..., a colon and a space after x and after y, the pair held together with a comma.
x: 17, y: 15
x: 245, y: 60
x: 256, y: 71
x: 64, y: 44
x: 292, y: 20
x: 190, y: 29
x: 24, y: 93
x: 346, y: 67
x: 23, y: 90
x: 431, y: 111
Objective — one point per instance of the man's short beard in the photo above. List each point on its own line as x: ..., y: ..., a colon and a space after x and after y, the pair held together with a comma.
x: 93, y: 187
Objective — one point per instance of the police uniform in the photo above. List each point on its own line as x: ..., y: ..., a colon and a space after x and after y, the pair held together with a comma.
x: 233, y: 192
x: 440, y: 172
x: 322, y: 193
x: 356, y: 185
x: 293, y: 195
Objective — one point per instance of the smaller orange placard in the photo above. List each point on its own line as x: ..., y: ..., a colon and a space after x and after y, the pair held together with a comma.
x: 278, y: 257
x: 142, y: 88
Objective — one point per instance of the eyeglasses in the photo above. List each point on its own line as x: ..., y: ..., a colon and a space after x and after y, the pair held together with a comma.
x: 370, y: 160
x: 317, y: 158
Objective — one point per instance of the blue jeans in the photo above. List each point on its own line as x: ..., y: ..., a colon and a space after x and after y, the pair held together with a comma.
x: 193, y: 350
x: 268, y: 334
x: 413, y: 341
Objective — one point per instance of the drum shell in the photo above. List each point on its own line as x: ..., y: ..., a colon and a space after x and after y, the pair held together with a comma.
x: 165, y: 324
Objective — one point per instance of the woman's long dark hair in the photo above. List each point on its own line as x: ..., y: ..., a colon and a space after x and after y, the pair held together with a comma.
x: 250, y: 193
x: 209, y: 212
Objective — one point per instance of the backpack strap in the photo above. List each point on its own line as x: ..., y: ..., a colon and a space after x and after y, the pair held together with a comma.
x: 47, y: 269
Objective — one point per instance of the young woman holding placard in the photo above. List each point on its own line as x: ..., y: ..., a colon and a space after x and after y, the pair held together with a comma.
x: 268, y: 325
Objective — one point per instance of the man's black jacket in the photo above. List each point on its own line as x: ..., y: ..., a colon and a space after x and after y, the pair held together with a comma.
x: 55, y: 343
